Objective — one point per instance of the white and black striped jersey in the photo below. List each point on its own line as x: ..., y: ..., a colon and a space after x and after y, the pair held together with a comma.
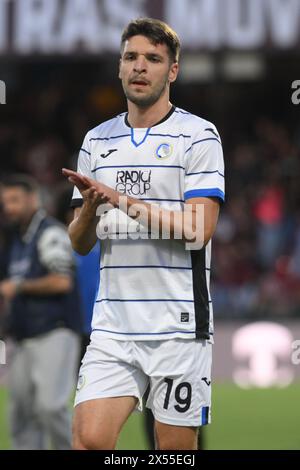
x: 153, y: 288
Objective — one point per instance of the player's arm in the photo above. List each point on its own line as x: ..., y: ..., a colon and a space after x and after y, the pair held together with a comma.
x: 82, y: 230
x: 197, y: 221
x: 183, y: 225
x: 211, y: 209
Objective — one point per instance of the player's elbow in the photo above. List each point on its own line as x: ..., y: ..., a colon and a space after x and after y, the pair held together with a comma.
x: 80, y: 248
x: 208, y: 234
x: 81, y: 244
x: 199, y: 238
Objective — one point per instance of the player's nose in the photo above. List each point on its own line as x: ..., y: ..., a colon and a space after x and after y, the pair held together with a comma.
x: 140, y: 64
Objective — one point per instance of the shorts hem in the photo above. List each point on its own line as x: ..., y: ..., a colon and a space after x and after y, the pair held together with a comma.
x: 141, y: 338
x: 175, y: 422
x: 118, y: 395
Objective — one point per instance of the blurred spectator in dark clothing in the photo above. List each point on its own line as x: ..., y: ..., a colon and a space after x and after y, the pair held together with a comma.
x: 44, y: 319
x: 87, y: 267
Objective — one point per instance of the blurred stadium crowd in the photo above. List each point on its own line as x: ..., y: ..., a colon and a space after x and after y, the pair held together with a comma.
x: 256, y: 255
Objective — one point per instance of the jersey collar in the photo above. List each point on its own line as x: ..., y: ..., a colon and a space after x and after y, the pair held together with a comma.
x: 157, y: 123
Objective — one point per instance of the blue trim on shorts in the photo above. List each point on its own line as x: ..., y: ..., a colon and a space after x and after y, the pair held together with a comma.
x: 204, y: 416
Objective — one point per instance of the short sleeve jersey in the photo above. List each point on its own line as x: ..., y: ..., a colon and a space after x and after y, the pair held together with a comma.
x: 153, y: 289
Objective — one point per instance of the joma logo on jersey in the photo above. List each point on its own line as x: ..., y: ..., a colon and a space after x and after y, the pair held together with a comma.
x: 133, y: 183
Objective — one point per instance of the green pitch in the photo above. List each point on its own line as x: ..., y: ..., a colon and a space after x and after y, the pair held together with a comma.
x: 252, y: 419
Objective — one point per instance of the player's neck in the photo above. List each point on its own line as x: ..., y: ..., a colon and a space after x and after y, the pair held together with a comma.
x: 147, y: 117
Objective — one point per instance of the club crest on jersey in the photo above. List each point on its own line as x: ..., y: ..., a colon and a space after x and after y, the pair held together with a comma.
x: 164, y: 151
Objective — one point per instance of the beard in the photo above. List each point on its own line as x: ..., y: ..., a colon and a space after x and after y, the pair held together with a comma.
x: 144, y: 101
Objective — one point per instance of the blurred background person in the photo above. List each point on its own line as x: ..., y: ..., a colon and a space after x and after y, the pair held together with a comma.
x: 44, y: 319
x: 87, y: 268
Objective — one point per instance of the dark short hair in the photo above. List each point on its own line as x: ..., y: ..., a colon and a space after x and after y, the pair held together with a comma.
x: 156, y: 31
x: 26, y: 182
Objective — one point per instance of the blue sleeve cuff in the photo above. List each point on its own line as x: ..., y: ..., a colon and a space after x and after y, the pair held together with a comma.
x: 211, y: 192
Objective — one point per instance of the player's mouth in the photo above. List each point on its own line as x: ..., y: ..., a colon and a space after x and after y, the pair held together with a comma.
x: 139, y: 83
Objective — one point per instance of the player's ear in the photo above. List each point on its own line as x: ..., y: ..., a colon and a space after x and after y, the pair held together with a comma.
x: 173, y: 72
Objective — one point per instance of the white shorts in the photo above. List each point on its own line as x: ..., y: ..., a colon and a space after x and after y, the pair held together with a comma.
x: 178, y: 370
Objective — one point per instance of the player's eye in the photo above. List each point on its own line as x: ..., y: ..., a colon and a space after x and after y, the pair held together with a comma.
x: 129, y: 57
x: 154, y: 58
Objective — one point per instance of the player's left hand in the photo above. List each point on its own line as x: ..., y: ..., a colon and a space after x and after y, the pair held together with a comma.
x: 83, y: 183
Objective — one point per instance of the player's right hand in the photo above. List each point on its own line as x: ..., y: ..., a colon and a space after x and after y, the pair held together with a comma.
x: 78, y: 180
x: 91, y: 190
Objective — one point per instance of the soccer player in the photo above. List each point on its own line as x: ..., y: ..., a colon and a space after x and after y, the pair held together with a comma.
x: 152, y: 320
